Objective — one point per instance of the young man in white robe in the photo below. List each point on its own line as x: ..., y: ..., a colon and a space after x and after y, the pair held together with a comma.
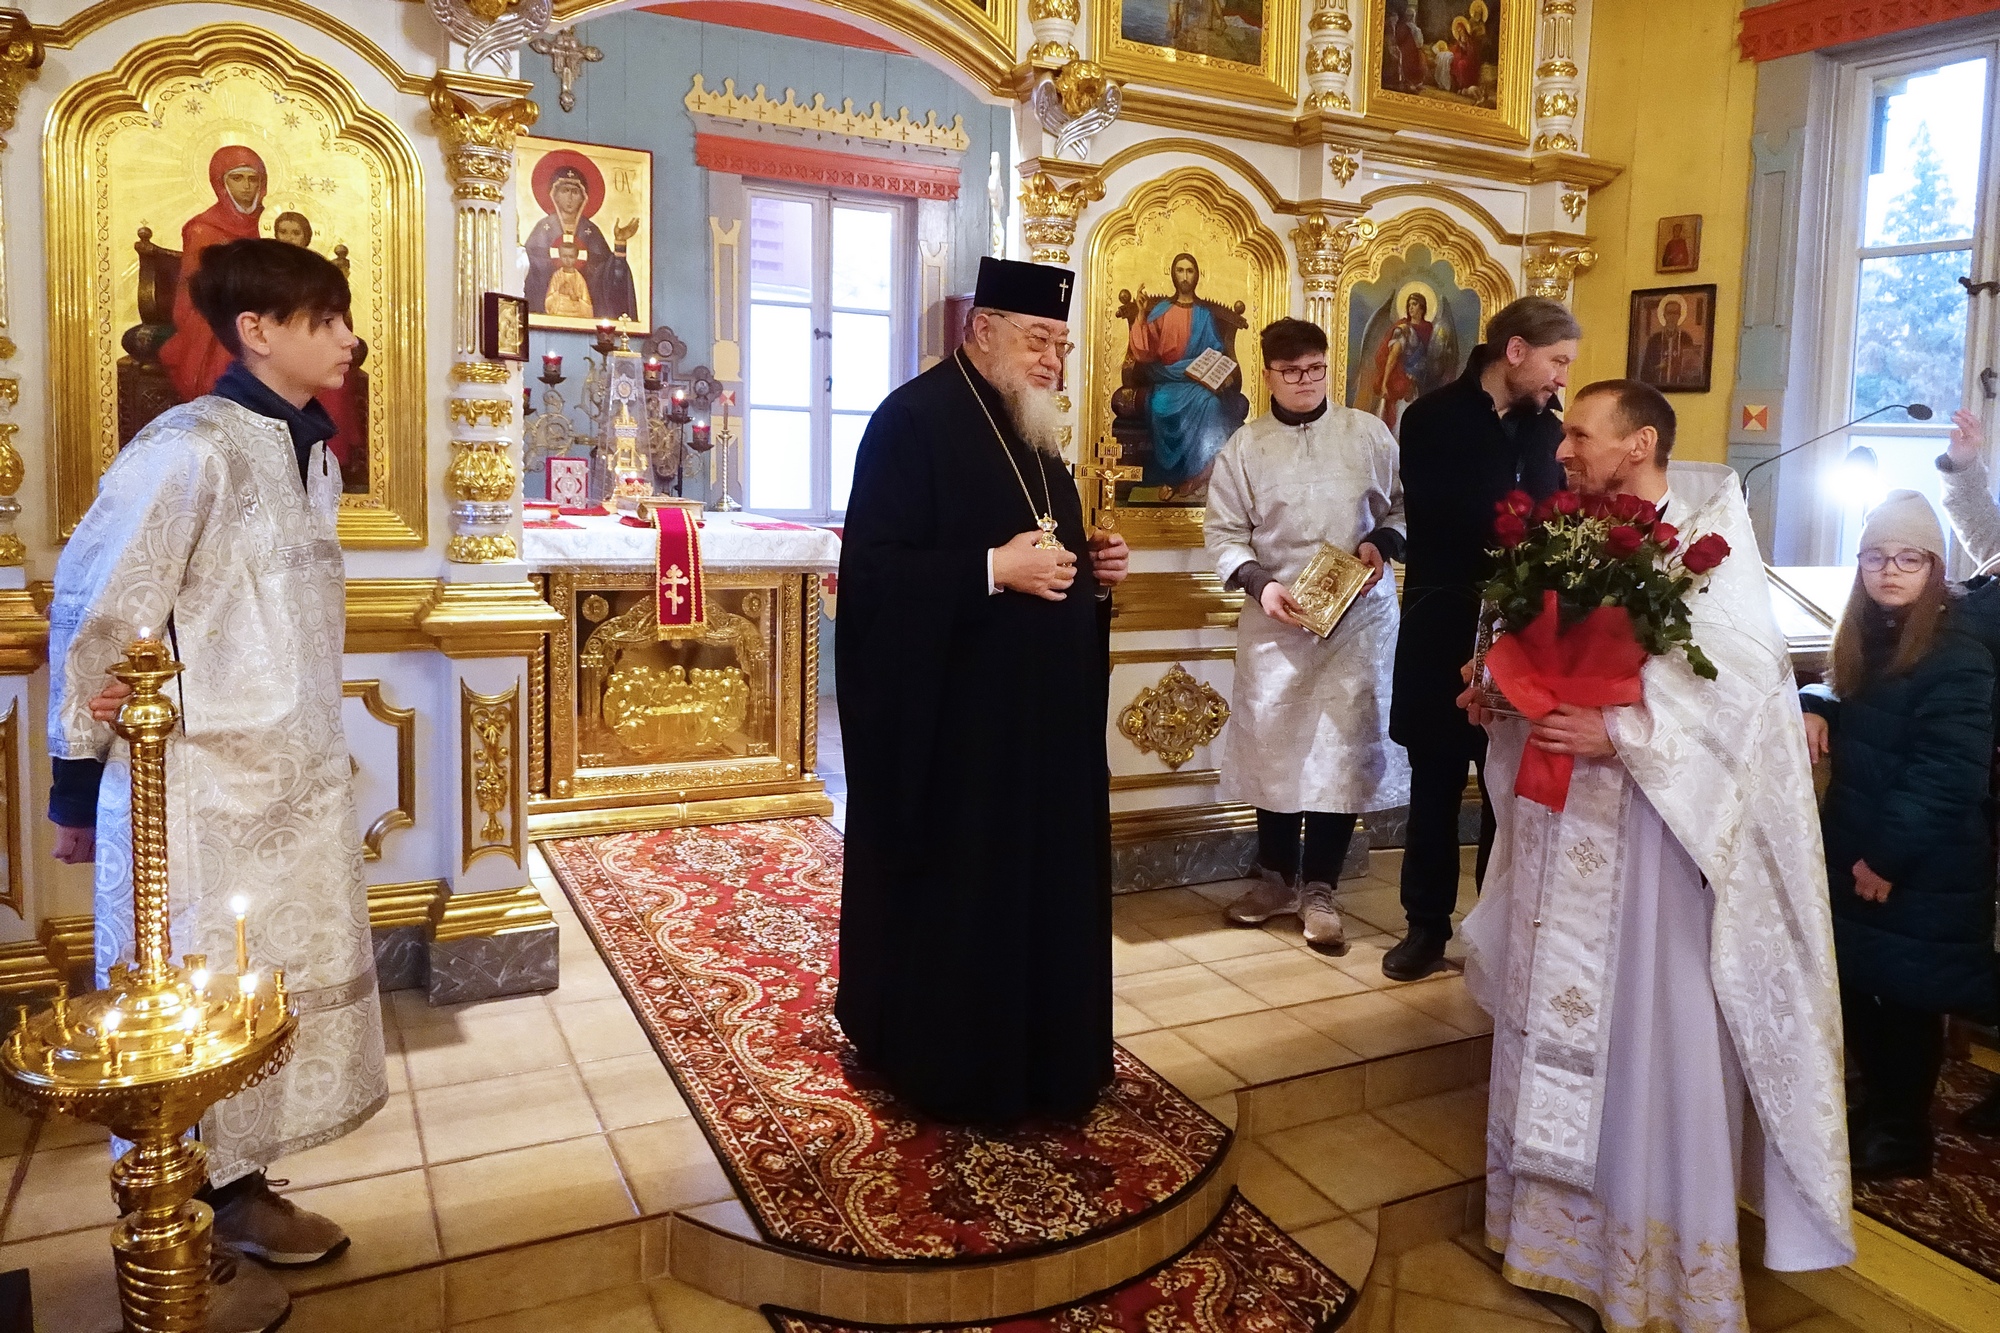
x: 216, y: 526
x: 1658, y: 957
x: 1307, y: 741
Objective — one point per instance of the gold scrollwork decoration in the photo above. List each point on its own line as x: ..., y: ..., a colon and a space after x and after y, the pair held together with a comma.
x: 1573, y: 203
x: 1343, y: 163
x: 479, y: 141
x: 481, y: 372
x: 470, y: 411
x: 1049, y: 212
x: 1175, y: 717
x: 488, y: 727
x: 402, y: 721
x: 21, y: 56
x: 1550, y: 272
x: 481, y: 471
x: 487, y: 550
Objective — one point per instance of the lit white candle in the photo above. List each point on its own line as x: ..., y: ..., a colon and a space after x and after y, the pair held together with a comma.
x: 241, y: 906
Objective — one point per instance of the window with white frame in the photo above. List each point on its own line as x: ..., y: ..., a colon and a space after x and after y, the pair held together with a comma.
x: 830, y: 334
x: 1910, y: 223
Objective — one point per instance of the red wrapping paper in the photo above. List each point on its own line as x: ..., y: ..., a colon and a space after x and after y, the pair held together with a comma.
x: 1594, y: 664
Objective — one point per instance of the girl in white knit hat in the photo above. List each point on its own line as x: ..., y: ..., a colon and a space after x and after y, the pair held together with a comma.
x: 1907, y: 717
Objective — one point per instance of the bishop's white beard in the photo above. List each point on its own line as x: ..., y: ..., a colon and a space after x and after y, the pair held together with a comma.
x: 1035, y: 416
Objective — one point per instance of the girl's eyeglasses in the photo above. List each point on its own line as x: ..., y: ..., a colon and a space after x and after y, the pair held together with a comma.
x: 1910, y: 562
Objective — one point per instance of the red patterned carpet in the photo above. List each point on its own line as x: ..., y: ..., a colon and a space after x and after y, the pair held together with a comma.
x: 1242, y: 1275
x: 723, y: 939
x: 1957, y: 1210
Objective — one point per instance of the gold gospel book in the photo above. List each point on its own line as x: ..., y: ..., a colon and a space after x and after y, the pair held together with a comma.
x: 1331, y: 581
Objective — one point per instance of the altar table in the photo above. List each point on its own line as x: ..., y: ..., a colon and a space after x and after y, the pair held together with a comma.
x: 629, y: 731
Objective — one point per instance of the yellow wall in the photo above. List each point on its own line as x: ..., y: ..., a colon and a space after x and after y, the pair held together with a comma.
x: 1669, y: 101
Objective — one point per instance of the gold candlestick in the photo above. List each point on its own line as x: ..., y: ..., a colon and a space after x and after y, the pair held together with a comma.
x: 150, y: 1053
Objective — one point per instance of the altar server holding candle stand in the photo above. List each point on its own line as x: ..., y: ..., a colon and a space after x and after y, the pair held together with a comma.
x: 217, y: 525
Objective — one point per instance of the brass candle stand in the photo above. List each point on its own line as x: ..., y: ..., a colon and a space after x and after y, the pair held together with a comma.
x: 147, y: 1055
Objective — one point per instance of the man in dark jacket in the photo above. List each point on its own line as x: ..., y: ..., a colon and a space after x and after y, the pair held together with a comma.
x: 1466, y: 445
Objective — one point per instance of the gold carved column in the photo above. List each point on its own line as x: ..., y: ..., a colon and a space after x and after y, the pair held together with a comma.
x: 1551, y: 271
x: 483, y: 477
x: 1330, y: 57
x: 1323, y: 243
x: 1557, y: 86
x: 1049, y: 210
x: 21, y: 54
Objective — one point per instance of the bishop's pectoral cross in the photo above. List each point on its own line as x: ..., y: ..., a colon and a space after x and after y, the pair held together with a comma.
x: 1104, y: 469
x: 672, y: 582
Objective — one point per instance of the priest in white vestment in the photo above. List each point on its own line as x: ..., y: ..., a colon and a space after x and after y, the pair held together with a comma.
x: 1658, y: 957
x: 216, y: 527
x: 1307, y: 743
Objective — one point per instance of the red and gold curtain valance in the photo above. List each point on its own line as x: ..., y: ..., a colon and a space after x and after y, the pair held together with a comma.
x: 1791, y: 26
x: 812, y: 166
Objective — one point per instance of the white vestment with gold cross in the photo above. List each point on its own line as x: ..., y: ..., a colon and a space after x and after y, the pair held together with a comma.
x: 203, y: 517
x: 1658, y: 961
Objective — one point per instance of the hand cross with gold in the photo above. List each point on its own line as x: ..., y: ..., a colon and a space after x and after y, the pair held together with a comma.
x: 1103, y: 468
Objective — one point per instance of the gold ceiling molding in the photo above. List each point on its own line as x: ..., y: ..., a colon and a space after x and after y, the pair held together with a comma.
x: 1444, y: 194
x: 72, y: 30
x: 976, y: 38
x: 817, y: 115
x: 1236, y: 162
x: 1446, y: 239
x: 1376, y: 143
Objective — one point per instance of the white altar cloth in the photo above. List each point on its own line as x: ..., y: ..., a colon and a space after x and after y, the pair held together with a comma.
x: 735, y: 541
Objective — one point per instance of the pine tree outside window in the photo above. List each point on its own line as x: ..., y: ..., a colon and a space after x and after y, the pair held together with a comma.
x: 1910, y: 212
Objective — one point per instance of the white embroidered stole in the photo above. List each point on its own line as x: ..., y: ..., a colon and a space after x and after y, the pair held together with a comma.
x: 1578, y: 861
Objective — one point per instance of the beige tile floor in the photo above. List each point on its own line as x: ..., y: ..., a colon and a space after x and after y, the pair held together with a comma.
x: 1454, y: 1286
x: 517, y: 1120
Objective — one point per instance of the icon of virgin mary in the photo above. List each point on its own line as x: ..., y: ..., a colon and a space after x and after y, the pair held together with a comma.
x: 193, y: 357
x: 572, y: 271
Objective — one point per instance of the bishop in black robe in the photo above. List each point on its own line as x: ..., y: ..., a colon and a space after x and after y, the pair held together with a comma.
x: 975, y: 930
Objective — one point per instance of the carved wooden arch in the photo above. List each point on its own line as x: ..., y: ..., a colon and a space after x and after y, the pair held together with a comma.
x: 1445, y: 238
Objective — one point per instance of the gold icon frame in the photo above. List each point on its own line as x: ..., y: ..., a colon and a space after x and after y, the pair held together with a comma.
x: 1273, y: 79
x: 1506, y: 122
x: 1190, y: 209
x: 92, y: 220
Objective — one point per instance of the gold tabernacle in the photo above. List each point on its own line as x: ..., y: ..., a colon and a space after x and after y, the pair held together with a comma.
x: 1331, y: 581
x: 150, y: 1053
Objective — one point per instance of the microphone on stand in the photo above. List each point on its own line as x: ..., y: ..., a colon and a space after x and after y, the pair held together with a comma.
x: 1917, y: 411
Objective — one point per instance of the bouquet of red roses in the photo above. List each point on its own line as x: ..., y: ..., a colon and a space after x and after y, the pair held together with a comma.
x: 1588, y: 588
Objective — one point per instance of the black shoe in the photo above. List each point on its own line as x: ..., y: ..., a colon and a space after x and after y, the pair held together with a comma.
x: 1888, y: 1154
x: 1985, y: 1117
x: 1419, y: 954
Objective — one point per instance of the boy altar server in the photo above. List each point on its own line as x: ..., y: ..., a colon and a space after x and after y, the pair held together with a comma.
x: 1658, y: 955
x: 1308, y: 735
x: 216, y: 526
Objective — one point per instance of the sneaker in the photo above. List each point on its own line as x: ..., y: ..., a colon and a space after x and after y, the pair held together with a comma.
x: 1323, y: 929
x: 1271, y: 898
x: 274, y: 1230
x: 1420, y: 953
x: 243, y: 1298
